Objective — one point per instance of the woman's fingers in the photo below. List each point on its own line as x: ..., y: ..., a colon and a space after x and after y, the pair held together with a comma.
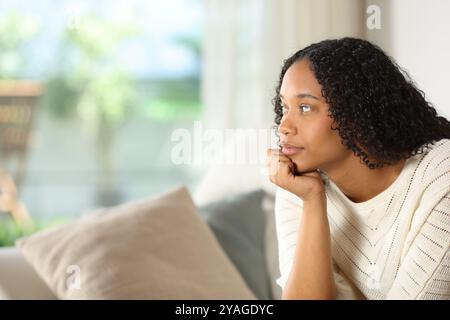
x: 282, y: 173
x: 278, y: 155
x: 280, y: 167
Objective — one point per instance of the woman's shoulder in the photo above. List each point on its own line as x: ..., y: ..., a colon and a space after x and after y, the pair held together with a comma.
x: 432, y: 167
x: 436, y: 158
x: 441, y: 146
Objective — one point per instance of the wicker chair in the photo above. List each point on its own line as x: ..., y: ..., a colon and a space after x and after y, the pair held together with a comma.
x: 18, y: 105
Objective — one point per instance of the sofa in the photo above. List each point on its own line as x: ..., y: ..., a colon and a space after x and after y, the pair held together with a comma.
x: 19, y: 279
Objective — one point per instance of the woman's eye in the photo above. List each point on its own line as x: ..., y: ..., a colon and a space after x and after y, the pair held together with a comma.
x: 305, y: 105
x: 285, y: 109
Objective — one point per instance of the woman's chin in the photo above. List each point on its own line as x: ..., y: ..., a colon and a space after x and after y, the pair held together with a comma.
x: 298, y: 169
x: 302, y: 168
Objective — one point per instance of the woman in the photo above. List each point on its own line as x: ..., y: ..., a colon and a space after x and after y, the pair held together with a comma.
x: 363, y: 199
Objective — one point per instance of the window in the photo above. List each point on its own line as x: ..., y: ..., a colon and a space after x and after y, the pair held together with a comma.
x: 117, y: 77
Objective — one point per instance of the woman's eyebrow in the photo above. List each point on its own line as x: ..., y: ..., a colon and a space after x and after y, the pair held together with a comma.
x: 307, y: 95
x: 304, y: 95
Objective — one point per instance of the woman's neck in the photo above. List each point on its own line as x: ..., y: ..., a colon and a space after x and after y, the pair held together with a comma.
x: 359, y: 183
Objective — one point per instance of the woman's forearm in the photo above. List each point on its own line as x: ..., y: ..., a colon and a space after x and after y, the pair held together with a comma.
x: 311, y: 276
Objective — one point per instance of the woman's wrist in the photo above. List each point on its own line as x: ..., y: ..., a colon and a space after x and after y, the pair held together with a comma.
x: 315, y: 198
x: 316, y: 206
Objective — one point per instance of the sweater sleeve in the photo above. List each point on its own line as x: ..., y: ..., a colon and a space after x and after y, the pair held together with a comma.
x: 424, y: 272
x: 288, y: 212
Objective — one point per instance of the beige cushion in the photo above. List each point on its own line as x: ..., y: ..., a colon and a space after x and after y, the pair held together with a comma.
x: 157, y: 248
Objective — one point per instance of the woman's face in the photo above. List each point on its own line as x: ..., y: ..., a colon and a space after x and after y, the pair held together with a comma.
x: 306, y: 124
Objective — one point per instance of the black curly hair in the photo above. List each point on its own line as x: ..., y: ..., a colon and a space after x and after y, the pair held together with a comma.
x: 378, y: 109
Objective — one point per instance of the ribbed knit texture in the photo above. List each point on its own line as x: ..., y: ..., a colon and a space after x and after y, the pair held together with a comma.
x: 393, y: 246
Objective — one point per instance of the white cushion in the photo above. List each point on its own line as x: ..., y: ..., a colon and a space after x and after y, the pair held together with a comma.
x: 18, y: 279
x: 223, y: 179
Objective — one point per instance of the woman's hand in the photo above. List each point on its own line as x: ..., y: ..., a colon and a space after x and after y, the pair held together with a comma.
x: 281, y: 172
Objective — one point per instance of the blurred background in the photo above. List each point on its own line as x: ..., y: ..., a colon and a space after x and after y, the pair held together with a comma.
x: 91, y: 91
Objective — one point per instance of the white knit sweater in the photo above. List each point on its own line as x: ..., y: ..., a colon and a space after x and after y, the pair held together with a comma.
x: 393, y: 246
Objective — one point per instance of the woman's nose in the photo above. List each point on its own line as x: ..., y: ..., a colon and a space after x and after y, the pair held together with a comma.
x: 287, y: 126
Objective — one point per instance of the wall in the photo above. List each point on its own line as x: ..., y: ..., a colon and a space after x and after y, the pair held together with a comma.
x: 417, y: 34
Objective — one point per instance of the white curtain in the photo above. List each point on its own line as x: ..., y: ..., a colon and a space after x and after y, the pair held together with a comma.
x: 245, y: 43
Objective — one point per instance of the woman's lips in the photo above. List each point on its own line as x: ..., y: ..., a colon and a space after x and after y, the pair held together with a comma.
x: 289, y: 150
